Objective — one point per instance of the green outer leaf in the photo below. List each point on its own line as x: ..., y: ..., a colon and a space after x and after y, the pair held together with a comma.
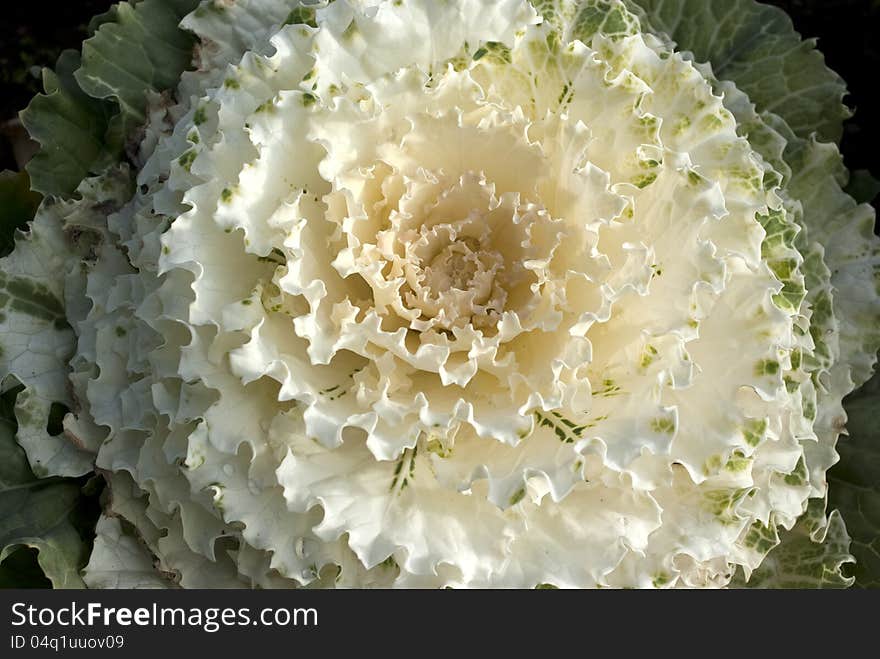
x: 757, y: 47
x: 91, y: 105
x: 854, y: 483
x: 140, y: 50
x: 845, y: 230
x: 69, y: 126
x: 811, y: 555
x: 41, y: 514
x: 110, y: 15
x: 36, y: 341
x: 17, y: 207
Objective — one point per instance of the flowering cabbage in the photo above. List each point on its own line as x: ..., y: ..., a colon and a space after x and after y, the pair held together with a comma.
x: 468, y: 293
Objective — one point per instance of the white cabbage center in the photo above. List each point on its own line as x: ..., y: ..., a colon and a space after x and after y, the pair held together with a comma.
x: 485, y: 306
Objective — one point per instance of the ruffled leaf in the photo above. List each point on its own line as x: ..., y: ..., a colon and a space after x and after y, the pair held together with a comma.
x: 36, y: 339
x: 582, y: 19
x: 813, y: 176
x: 854, y: 486
x: 69, y: 126
x: 216, y: 350
x: 140, y: 50
x: 36, y: 342
x: 45, y: 515
x: 757, y: 47
x: 812, y: 555
x: 120, y: 560
x: 845, y: 230
x: 91, y: 105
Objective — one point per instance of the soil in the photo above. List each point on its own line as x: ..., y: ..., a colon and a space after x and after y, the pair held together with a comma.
x: 32, y: 36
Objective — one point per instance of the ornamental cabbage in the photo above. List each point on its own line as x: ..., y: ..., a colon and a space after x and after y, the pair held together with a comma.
x: 460, y: 293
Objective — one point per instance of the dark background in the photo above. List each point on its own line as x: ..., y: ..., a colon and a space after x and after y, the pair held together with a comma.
x: 32, y: 35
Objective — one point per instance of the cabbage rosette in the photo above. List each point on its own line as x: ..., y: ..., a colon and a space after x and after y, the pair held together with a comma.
x: 445, y: 294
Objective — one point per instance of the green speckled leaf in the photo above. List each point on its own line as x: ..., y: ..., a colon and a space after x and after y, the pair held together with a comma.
x: 855, y: 482
x: 812, y: 555
x: 845, y: 230
x: 17, y: 207
x: 36, y: 341
x: 41, y: 514
x: 582, y: 19
x: 756, y: 46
